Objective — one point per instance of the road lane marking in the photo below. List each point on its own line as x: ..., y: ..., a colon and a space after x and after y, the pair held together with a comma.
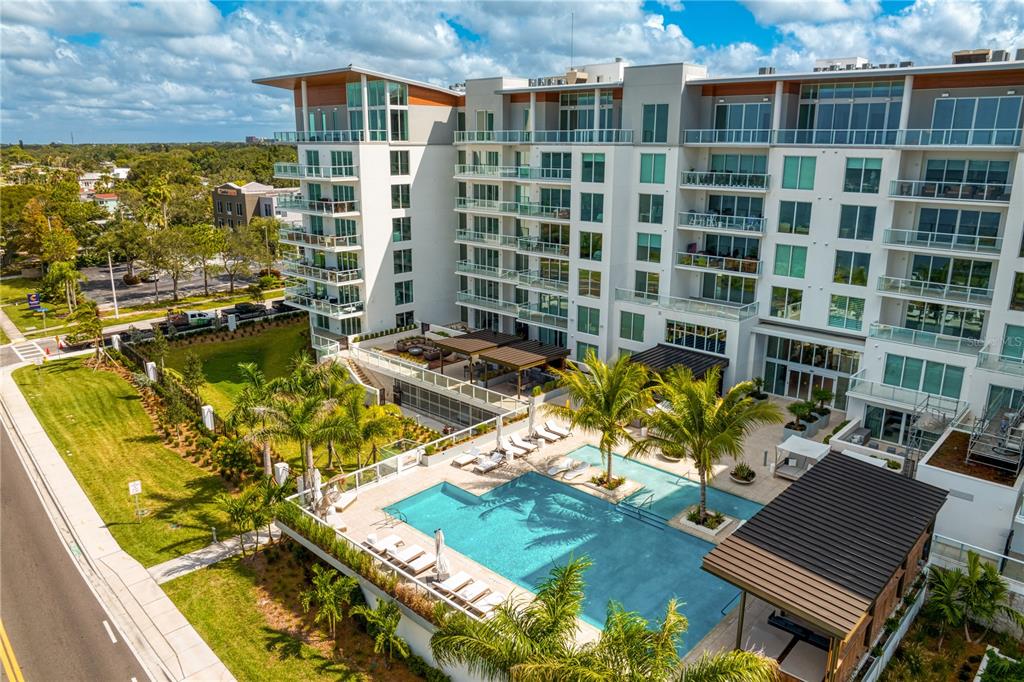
x: 110, y: 633
x: 7, y: 658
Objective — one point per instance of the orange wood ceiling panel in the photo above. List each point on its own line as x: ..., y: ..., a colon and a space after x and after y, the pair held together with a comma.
x: 969, y: 80
x: 737, y: 89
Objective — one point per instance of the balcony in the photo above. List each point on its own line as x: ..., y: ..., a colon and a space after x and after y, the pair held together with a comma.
x: 870, y: 390
x: 324, y: 342
x: 923, y: 339
x: 534, y: 280
x: 302, y: 270
x: 739, y: 182
x: 916, y: 240
x: 977, y: 137
x: 522, y: 209
x: 1004, y: 364
x: 533, y: 314
x: 736, y: 137
x: 469, y: 298
x: 299, y: 237
x: 489, y: 238
x: 695, y: 306
x: 609, y: 136
x: 715, y: 222
x: 926, y: 190
x: 479, y: 270
x: 853, y: 138
x: 324, y: 136
x: 553, y: 175
x: 535, y: 245
x: 322, y: 207
x: 747, y: 267
x: 300, y: 297
x: 913, y: 288
x: 296, y: 171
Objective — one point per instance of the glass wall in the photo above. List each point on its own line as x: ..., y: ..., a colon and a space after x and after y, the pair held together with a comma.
x: 794, y: 368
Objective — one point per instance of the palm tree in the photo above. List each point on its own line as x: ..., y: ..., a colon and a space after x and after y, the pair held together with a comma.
x: 252, y: 408
x: 731, y: 666
x: 158, y: 198
x: 984, y: 595
x: 334, y: 385
x: 368, y: 427
x: 309, y: 421
x: 237, y: 509
x: 382, y: 625
x: 944, y: 604
x: 88, y: 326
x: 330, y: 594
x: 698, y: 424
x: 268, y: 497
x: 604, y: 401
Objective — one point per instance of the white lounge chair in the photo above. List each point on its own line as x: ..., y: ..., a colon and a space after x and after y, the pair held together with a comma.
x: 492, y: 462
x: 562, y: 465
x: 522, y: 444
x: 382, y: 545
x: 335, y: 521
x: 406, y: 554
x: 508, y: 447
x: 420, y: 564
x: 557, y: 430
x: 454, y: 583
x: 485, y: 607
x: 576, y: 471
x: 472, y: 592
x: 345, y: 501
x: 544, y: 434
x: 465, y: 458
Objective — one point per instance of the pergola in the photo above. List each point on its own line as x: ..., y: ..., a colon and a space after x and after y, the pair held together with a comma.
x: 662, y: 357
x: 524, y: 355
x: 472, y: 344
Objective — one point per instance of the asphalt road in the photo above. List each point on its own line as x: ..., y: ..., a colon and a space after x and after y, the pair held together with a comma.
x: 54, y: 623
x: 97, y: 286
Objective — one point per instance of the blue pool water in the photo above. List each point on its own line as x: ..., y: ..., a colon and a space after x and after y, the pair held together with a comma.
x: 525, y: 527
x: 671, y: 493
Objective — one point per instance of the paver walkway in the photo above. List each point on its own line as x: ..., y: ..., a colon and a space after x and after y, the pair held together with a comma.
x: 12, y: 331
x: 211, y: 554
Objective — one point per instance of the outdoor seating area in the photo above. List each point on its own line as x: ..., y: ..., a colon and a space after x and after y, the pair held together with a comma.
x: 795, y: 456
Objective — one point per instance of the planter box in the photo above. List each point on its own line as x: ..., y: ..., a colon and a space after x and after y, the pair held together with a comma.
x: 787, y: 432
x: 740, y: 481
x: 614, y: 496
x: 714, y: 536
x: 812, y: 427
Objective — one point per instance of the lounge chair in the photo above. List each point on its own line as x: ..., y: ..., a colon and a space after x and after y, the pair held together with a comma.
x: 420, y: 564
x: 509, y: 448
x: 472, y: 592
x: 345, y: 501
x: 522, y: 444
x: 335, y: 521
x: 562, y: 465
x: 557, y: 430
x: 486, y: 464
x: 576, y: 471
x: 383, y: 545
x: 465, y: 458
x: 454, y: 583
x: 544, y: 434
x: 485, y: 607
x: 406, y: 554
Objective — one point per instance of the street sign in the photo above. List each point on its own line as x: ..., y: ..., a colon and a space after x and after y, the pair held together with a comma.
x: 33, y: 299
x: 135, y: 487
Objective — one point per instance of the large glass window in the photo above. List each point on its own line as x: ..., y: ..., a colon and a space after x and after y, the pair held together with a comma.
x: 743, y: 116
x: 593, y: 168
x: 646, y: 284
x: 1013, y: 342
x: 652, y: 207
x: 795, y: 217
x: 648, y: 247
x: 943, y: 270
x: 786, y: 303
x: 862, y: 175
x: 590, y: 245
x: 399, y: 196
x: 652, y: 168
x: 403, y: 292
x: 951, y: 225
x: 403, y: 261
x: 739, y: 163
x: 790, y: 261
x: 731, y: 205
x: 631, y: 326
x: 591, y: 207
x: 590, y: 283
x: 588, y: 320
x: 851, y: 268
x: 857, y: 222
x: 1017, y: 294
x: 846, y: 312
x: 981, y: 171
x: 977, y: 120
x: 728, y: 288
x: 798, y: 172
x: 400, y: 162
x: 655, y: 123
x: 944, y: 319
x: 695, y: 336
x: 584, y: 349
x: 923, y: 375
x: 401, y: 229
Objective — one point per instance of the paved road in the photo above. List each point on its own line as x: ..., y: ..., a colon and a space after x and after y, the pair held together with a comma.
x: 54, y: 623
x: 97, y: 286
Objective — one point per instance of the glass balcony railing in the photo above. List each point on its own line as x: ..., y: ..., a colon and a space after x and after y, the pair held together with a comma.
x: 535, y: 245
x: 976, y: 137
x: 329, y: 275
x: 300, y: 171
x: 299, y: 237
x: 945, y: 292
x: 716, y: 221
x: 518, y: 208
x: 727, y: 136
x: 590, y: 136
x: 534, y: 279
x: 741, y: 266
x: 309, y: 300
x: 534, y: 314
x: 302, y: 136
x: 1004, y: 364
x: 725, y: 180
x: 318, y: 206
x: 471, y: 268
x: 514, y: 172
x: 469, y: 298
x: 858, y: 138
x: 868, y: 389
x: 950, y: 191
x: 324, y: 344
x: 696, y: 306
x: 486, y: 238
x: 968, y: 243
x: 924, y: 339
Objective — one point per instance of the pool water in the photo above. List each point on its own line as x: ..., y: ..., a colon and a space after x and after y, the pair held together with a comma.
x: 672, y: 493
x: 525, y: 527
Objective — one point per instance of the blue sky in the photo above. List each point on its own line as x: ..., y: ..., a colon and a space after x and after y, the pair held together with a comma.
x: 180, y: 70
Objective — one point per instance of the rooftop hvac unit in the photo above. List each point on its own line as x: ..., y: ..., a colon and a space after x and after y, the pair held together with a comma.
x: 1000, y: 55
x: 1019, y: 57
x: 905, y: 64
x: 972, y: 56
x: 765, y: 70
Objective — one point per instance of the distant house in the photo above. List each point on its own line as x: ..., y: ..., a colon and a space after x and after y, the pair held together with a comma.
x: 236, y: 205
x: 87, y: 181
x: 107, y: 201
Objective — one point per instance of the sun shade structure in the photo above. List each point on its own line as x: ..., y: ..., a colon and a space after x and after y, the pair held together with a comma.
x: 834, y: 553
x: 524, y: 355
x: 797, y: 456
x: 663, y: 357
x: 473, y: 343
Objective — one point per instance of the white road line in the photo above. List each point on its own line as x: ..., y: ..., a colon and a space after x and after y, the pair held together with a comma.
x: 110, y: 632
x: 29, y: 350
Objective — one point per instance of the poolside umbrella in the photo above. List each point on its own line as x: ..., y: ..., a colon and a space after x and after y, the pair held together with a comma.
x: 441, y: 568
x: 531, y: 411
x: 317, y: 484
x: 497, y: 433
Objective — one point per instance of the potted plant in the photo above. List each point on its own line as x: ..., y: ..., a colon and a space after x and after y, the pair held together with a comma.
x: 758, y: 392
x: 822, y: 396
x: 814, y: 420
x: 742, y: 474
x: 797, y: 427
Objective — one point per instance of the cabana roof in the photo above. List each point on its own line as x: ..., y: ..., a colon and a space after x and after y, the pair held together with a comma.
x: 475, y: 342
x: 795, y: 445
x: 524, y: 354
x: 826, y: 546
x: 662, y: 357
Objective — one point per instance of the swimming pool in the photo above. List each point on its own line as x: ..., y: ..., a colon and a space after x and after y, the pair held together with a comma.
x: 672, y: 493
x: 523, y: 528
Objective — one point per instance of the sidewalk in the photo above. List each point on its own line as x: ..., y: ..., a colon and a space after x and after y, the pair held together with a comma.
x: 211, y: 554
x: 157, y: 627
x: 12, y: 331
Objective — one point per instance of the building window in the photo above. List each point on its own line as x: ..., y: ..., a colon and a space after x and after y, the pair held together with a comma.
x: 863, y: 175
x: 241, y: 211
x: 403, y: 261
x: 655, y: 123
x: 851, y: 268
x: 400, y: 163
x: 593, y: 168
x: 405, y: 319
x: 695, y: 336
x: 1013, y: 342
x: 652, y: 168
x: 651, y: 208
x: 798, y: 172
x: 399, y: 196
x: 631, y: 326
x: 857, y: 222
x: 588, y: 320
x: 795, y: 217
x: 786, y: 303
x: 846, y: 312
x: 648, y: 247
x: 220, y: 206
x: 583, y: 349
x: 401, y: 229
x: 646, y: 284
x: 403, y: 292
x: 590, y: 283
x: 1017, y: 295
x: 790, y: 261
x: 591, y: 207
x: 921, y: 375
x: 590, y: 245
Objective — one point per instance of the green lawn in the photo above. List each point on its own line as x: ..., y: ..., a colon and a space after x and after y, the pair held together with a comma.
x: 95, y: 419
x: 12, y: 296
x: 272, y: 350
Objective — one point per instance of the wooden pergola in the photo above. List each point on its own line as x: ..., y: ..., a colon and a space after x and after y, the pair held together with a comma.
x: 472, y: 344
x: 524, y: 355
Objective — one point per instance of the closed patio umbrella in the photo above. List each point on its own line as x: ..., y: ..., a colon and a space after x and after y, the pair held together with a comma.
x: 441, y: 568
x: 317, y: 485
x: 532, y: 410
x: 497, y: 434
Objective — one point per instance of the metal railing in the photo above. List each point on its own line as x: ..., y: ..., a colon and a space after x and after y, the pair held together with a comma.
x: 299, y: 136
x: 535, y: 245
x: 329, y: 275
x: 533, y: 278
x: 737, y: 136
x: 323, y: 344
x: 303, y: 238
x: 318, y: 206
x: 532, y: 313
x: 725, y: 180
x: 514, y: 172
x: 1004, y: 364
x: 976, y: 137
x: 955, y: 191
x: 945, y: 292
x: 486, y: 238
x: 925, y: 339
x: 303, y: 298
x: 859, y: 138
x: 590, y: 136
x: 862, y: 387
x: 968, y: 243
x: 468, y: 297
x: 469, y: 267
x: 296, y: 170
x: 741, y: 266
x: 949, y: 552
x: 697, y: 306
x: 717, y: 221
x: 520, y: 208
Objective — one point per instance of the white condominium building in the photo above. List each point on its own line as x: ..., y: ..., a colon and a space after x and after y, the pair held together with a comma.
x: 856, y: 228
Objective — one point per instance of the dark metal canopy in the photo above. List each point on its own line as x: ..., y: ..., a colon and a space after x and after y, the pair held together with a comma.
x: 663, y: 357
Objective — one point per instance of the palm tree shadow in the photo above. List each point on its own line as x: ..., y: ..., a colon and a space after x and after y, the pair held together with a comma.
x: 283, y: 643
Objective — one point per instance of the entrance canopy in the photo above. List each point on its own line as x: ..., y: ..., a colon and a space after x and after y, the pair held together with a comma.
x: 663, y: 357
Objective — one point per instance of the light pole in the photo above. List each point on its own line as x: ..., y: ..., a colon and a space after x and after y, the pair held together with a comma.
x: 113, y: 290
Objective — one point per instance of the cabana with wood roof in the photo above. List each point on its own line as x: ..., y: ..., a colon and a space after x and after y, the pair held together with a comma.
x: 833, y: 555
x: 524, y: 355
x: 472, y: 344
x: 663, y: 357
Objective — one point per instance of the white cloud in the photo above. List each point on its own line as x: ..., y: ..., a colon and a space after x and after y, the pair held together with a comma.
x: 772, y: 12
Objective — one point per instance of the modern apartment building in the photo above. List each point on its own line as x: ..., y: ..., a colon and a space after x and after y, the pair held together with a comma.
x: 236, y: 205
x: 857, y: 227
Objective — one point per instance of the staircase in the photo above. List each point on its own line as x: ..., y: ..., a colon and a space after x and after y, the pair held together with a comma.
x: 997, y: 444
x: 639, y: 508
x: 363, y: 378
